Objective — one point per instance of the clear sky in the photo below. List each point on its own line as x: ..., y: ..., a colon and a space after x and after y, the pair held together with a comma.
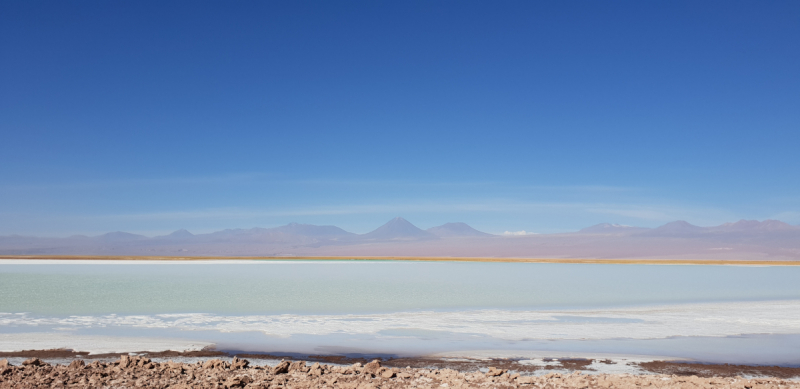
x: 544, y: 116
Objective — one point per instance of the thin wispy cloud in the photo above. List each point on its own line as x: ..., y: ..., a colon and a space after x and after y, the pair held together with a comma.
x: 226, y: 179
x: 459, y: 184
x: 788, y: 216
x: 698, y: 215
x: 641, y: 212
x: 518, y: 233
x: 352, y: 204
x: 279, y: 180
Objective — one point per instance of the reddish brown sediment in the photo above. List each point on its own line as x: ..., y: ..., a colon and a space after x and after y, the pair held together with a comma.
x: 139, y: 371
x: 43, y: 354
x: 718, y: 370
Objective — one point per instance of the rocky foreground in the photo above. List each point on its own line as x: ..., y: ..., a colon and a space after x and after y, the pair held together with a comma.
x: 141, y: 372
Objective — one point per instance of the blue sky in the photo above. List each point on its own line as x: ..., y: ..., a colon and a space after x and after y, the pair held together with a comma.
x: 546, y: 116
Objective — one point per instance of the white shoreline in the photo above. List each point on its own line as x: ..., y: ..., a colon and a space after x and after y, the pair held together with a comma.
x: 649, y: 322
x: 538, y: 355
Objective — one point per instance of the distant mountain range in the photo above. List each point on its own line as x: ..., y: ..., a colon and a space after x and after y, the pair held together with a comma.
x: 745, y: 239
x: 681, y: 227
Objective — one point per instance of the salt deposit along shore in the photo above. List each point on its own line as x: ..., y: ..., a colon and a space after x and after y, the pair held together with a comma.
x: 140, y: 371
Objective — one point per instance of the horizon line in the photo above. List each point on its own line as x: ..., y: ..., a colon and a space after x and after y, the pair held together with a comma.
x: 595, y: 261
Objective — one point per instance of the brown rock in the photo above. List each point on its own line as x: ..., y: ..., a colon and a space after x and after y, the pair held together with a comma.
x: 33, y: 362
x: 373, y: 367
x: 142, y: 362
x: 298, y: 366
x: 281, y: 368
x: 526, y: 380
x: 76, y: 364
x: 315, y: 370
x: 170, y: 374
x: 234, y: 382
x: 239, y: 363
x: 386, y: 373
x: 124, y: 362
x: 175, y: 367
x: 209, y: 364
x: 216, y: 364
x: 494, y: 372
x: 237, y: 382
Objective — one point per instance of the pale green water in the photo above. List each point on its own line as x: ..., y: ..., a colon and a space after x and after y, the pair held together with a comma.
x: 357, y: 287
x: 712, y: 313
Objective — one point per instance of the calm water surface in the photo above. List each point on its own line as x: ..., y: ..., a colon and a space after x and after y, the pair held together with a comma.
x: 710, y: 313
x: 359, y: 287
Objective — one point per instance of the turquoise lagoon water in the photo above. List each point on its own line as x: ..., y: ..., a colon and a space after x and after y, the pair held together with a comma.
x: 712, y: 313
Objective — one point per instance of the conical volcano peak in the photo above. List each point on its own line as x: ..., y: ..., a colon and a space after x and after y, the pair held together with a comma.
x: 119, y: 236
x: 398, y: 228
x: 679, y: 225
x: 181, y: 233
x: 456, y: 229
